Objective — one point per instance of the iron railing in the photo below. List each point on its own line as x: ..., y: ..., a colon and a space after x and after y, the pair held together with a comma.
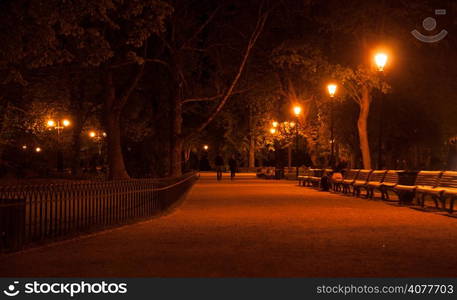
x: 37, y: 213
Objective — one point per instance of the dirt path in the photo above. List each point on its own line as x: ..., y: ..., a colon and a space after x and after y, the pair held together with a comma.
x: 260, y: 228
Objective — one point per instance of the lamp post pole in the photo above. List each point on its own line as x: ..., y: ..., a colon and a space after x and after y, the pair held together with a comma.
x: 380, y: 61
x: 59, y: 127
x: 381, y: 125
x: 332, y: 137
x: 297, y: 112
x: 296, y: 146
x: 332, y: 90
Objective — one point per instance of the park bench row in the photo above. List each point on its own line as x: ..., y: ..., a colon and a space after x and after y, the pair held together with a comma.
x: 277, y: 173
x: 440, y: 186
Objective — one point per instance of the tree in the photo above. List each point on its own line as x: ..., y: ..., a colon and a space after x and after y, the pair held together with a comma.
x: 182, y: 46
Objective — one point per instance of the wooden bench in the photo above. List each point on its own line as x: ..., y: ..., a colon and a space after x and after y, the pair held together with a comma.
x: 374, y: 178
x: 445, y: 188
x: 315, y: 178
x: 290, y: 173
x: 361, y: 181
x: 425, y: 181
x: 348, y: 179
x: 303, y: 178
x: 261, y: 172
x: 389, y: 181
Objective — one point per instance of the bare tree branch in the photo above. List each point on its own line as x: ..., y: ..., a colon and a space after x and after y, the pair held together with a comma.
x: 211, y: 98
x: 252, y: 41
x: 200, y: 29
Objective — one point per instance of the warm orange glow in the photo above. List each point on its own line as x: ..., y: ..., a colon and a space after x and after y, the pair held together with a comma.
x: 92, y: 134
x: 38, y: 149
x: 24, y: 147
x: 332, y: 89
x: 205, y: 147
x: 275, y: 124
x: 272, y: 130
x: 66, y: 122
x: 51, y: 123
x: 381, y: 61
x: 297, y: 110
x: 292, y: 124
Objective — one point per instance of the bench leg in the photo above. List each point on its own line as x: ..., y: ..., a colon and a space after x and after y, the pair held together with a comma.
x: 451, y: 205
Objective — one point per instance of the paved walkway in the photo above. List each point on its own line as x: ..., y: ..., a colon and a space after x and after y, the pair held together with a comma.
x: 252, y: 227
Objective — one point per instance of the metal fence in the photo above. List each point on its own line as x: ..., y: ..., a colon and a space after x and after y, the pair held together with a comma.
x: 37, y: 213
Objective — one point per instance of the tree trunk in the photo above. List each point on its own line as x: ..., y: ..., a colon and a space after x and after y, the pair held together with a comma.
x: 176, y: 139
x: 289, y: 156
x: 76, y: 148
x: 112, y: 122
x: 252, y: 152
x: 362, y: 125
x: 115, y: 158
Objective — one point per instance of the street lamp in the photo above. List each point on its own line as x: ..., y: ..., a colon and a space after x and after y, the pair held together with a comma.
x: 380, y: 60
x: 59, y: 126
x: 98, y: 138
x: 38, y: 149
x: 272, y: 130
x: 297, y: 112
x: 275, y: 124
x: 205, y: 147
x: 332, y: 91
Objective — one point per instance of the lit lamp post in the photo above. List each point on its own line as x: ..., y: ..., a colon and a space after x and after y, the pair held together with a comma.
x: 331, y: 91
x: 98, y: 137
x: 297, y: 112
x: 59, y: 126
x: 380, y: 61
x: 205, y: 147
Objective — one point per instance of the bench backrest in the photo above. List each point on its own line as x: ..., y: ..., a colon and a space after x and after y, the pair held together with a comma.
x: 301, y: 170
x: 317, y: 172
x: 428, y: 178
x: 364, y: 175
x: 378, y: 175
x: 328, y: 171
x: 351, y: 174
x: 391, y: 176
x: 448, y: 179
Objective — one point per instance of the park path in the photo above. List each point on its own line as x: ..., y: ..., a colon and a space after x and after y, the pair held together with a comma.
x: 258, y: 228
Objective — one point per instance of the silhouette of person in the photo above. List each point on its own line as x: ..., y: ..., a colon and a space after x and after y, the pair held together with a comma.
x: 219, y: 162
x: 233, y: 167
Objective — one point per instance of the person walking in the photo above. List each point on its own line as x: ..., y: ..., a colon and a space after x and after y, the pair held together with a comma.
x: 219, y: 162
x: 233, y: 167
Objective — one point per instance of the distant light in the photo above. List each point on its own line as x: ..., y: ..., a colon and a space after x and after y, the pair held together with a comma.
x: 51, y: 123
x: 66, y: 122
x: 275, y: 124
x: 332, y: 89
x: 92, y: 134
x: 381, y: 61
x: 205, y: 147
x: 104, y: 134
x: 38, y: 149
x: 24, y: 147
x: 297, y: 110
x: 273, y: 130
x: 292, y: 124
